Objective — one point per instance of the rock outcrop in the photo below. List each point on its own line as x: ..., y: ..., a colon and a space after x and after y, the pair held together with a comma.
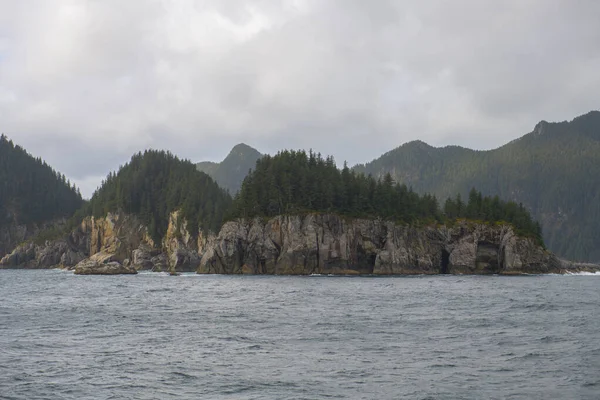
x: 293, y: 245
x: 13, y: 233
x: 64, y: 252
x: 115, y: 239
x: 329, y: 244
x: 93, y: 267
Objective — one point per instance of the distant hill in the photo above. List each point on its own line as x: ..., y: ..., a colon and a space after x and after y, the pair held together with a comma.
x: 154, y: 184
x: 554, y: 171
x: 31, y: 194
x: 31, y: 191
x: 230, y: 172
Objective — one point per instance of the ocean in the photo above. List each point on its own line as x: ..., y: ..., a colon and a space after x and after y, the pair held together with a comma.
x: 153, y: 336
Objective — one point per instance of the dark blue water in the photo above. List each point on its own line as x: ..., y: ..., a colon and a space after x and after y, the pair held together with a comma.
x: 153, y: 336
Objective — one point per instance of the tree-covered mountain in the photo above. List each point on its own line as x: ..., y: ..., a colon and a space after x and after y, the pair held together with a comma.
x: 230, y: 172
x: 30, y: 190
x: 296, y: 182
x: 154, y: 184
x: 553, y: 171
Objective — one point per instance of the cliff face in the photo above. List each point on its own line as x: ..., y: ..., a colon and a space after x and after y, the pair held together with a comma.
x: 293, y: 245
x: 328, y: 244
x: 117, y: 239
x: 14, y: 233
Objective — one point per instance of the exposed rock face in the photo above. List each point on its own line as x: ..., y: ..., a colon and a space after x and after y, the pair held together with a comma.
x: 328, y: 244
x: 116, y: 238
x: 181, y: 246
x: 63, y: 253
x: 293, y: 245
x: 93, y: 267
x: 12, y: 234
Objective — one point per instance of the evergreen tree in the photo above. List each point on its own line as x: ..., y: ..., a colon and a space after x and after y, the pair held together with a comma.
x: 154, y: 184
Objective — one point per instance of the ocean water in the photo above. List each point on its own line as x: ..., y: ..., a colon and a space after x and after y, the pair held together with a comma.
x: 152, y: 336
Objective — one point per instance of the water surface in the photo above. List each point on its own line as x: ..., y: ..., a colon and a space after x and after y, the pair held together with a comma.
x: 152, y: 336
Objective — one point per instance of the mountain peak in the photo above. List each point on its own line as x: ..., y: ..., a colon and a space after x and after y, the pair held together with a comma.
x: 418, y: 144
x: 242, y: 147
x: 230, y: 173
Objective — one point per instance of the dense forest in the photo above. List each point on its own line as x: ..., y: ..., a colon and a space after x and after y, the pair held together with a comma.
x: 297, y: 182
x: 553, y: 171
x: 155, y: 183
x: 30, y: 190
x: 230, y: 172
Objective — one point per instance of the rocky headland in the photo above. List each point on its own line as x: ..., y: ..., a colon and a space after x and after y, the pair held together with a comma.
x: 293, y: 245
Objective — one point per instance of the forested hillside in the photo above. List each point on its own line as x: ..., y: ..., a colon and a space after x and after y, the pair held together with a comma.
x: 30, y: 190
x: 296, y: 182
x: 230, y: 173
x: 553, y: 171
x: 155, y: 183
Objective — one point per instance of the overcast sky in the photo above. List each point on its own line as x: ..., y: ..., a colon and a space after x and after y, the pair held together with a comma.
x: 86, y: 83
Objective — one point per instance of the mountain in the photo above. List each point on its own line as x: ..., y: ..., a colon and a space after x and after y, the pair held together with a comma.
x: 31, y: 194
x: 553, y: 171
x: 153, y: 185
x: 294, y: 182
x: 230, y: 172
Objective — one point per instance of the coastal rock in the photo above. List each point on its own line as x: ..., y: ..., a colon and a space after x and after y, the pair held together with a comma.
x: 62, y: 253
x: 329, y: 244
x: 160, y: 263
x: 294, y: 245
x: 180, y: 245
x: 142, y: 258
x: 95, y: 267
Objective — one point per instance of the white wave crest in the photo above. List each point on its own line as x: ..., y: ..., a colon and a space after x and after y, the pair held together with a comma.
x: 583, y: 273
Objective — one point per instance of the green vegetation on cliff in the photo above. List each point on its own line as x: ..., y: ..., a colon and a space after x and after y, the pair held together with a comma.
x: 154, y: 184
x: 30, y: 190
x: 296, y: 182
x: 553, y: 171
x: 230, y: 172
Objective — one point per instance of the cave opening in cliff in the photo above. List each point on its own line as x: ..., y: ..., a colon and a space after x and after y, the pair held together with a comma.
x: 371, y: 264
x: 444, y: 268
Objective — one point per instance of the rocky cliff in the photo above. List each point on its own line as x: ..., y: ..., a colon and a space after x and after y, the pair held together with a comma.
x: 293, y: 245
x: 13, y: 233
x: 113, y: 243
x: 328, y: 244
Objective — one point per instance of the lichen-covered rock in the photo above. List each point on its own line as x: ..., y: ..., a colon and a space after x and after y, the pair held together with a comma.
x: 95, y: 267
x: 329, y: 244
x: 295, y: 245
x: 180, y: 245
x: 63, y: 253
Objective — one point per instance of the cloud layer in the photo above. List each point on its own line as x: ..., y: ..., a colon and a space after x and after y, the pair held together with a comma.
x: 84, y: 84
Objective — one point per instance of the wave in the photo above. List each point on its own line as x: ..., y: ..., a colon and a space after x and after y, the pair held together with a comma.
x: 584, y: 273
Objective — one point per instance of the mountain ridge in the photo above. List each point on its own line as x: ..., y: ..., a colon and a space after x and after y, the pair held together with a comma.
x: 551, y: 170
x: 230, y: 172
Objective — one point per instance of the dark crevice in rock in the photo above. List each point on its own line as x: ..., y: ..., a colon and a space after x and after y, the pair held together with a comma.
x: 487, y: 259
x: 445, y: 267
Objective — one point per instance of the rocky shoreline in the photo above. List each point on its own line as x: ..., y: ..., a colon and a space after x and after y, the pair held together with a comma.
x: 293, y: 245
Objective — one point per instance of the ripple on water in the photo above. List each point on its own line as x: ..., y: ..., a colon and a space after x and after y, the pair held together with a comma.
x: 223, y: 337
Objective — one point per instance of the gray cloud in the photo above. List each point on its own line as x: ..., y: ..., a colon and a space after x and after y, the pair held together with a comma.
x: 85, y: 84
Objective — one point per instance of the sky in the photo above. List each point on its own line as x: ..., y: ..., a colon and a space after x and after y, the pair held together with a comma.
x: 84, y: 84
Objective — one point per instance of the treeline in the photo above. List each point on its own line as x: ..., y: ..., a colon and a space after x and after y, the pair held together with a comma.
x: 30, y: 190
x: 154, y: 184
x: 492, y: 209
x: 553, y: 171
x: 297, y: 182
